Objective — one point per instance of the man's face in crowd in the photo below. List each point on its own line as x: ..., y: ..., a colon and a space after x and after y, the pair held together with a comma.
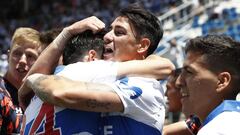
x: 174, y: 96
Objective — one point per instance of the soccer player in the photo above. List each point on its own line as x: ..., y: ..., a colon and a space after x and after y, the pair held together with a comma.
x: 23, y: 53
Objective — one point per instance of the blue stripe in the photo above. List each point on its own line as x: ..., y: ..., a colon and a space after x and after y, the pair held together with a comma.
x: 227, y: 105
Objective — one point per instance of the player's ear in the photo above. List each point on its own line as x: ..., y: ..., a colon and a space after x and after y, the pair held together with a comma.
x: 92, y: 55
x: 224, y: 80
x: 144, y: 45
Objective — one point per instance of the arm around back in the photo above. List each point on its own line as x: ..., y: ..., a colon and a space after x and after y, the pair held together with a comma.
x: 152, y: 67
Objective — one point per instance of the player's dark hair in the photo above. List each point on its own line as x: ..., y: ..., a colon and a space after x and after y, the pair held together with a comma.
x: 145, y: 24
x: 221, y: 53
x: 80, y: 44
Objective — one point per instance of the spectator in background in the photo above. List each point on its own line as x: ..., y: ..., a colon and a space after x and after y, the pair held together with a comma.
x: 22, y: 54
x: 3, y: 64
x: 175, y: 53
x: 46, y: 37
x: 174, y: 96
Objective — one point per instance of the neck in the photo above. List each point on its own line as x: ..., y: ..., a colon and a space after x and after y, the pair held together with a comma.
x: 211, y: 107
x: 16, y: 83
x: 140, y: 57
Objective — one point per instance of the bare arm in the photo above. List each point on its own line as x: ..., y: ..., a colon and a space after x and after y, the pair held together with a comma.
x: 85, y: 96
x: 48, y: 59
x: 153, y: 66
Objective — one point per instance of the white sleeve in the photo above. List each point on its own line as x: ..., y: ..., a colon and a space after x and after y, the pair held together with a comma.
x: 143, y: 99
x: 95, y: 71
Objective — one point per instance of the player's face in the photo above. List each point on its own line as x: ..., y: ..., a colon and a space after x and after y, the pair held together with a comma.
x: 21, y: 58
x: 174, y: 96
x: 120, y: 41
x: 198, y: 86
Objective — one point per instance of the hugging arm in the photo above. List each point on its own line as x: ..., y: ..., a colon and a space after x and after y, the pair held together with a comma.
x: 152, y: 67
x: 64, y: 92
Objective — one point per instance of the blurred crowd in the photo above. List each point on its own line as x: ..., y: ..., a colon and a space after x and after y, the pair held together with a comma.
x: 44, y: 15
x: 47, y: 14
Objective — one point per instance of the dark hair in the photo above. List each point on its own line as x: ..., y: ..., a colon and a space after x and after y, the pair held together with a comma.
x: 221, y: 53
x: 177, y: 72
x: 47, y: 37
x: 174, y: 75
x: 80, y: 44
x: 145, y: 24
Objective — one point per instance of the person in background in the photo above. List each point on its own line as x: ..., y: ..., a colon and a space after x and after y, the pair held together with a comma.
x: 46, y: 37
x: 23, y: 53
x: 174, y: 96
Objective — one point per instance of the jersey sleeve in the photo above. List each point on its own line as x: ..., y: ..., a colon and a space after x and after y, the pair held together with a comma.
x: 143, y: 100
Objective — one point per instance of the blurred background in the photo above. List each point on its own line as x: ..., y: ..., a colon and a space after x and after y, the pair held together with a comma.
x: 181, y: 19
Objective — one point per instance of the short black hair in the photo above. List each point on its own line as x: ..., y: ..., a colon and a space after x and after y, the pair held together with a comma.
x: 80, y: 44
x: 220, y: 52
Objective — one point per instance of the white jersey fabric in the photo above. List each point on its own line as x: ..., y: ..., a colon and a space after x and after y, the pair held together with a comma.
x: 144, y: 108
x: 224, y: 121
x: 95, y: 71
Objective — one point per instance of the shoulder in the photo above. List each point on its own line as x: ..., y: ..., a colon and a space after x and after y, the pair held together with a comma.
x: 231, y: 122
x: 138, y: 92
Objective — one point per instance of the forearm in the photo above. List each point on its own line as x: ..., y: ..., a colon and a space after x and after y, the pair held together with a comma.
x: 63, y: 92
x: 49, y: 57
x: 153, y: 67
x: 25, y: 94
